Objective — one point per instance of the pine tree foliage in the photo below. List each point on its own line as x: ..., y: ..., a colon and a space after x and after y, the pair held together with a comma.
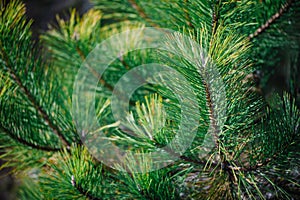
x: 255, y: 153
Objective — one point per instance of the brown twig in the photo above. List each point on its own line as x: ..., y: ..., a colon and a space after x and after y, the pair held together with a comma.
x: 95, y: 73
x: 98, y: 76
x: 33, y: 100
x: 271, y: 20
x: 212, y: 116
x: 215, y: 18
x: 142, y: 13
x: 127, y: 67
x: 187, y: 16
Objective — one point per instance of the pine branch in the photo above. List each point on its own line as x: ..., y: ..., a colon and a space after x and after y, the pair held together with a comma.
x: 271, y: 20
x: 32, y: 99
x: 26, y: 143
x: 82, y: 191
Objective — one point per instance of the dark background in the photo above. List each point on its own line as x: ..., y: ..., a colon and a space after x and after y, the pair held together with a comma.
x: 44, y: 12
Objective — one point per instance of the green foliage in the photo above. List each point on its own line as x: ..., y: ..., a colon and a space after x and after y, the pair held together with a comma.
x: 255, y: 143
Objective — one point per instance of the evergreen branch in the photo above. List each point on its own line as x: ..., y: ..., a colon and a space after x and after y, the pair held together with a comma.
x: 82, y: 191
x: 74, y: 174
x: 26, y: 143
x: 271, y: 20
x: 142, y: 13
x: 32, y: 99
x: 225, y: 164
